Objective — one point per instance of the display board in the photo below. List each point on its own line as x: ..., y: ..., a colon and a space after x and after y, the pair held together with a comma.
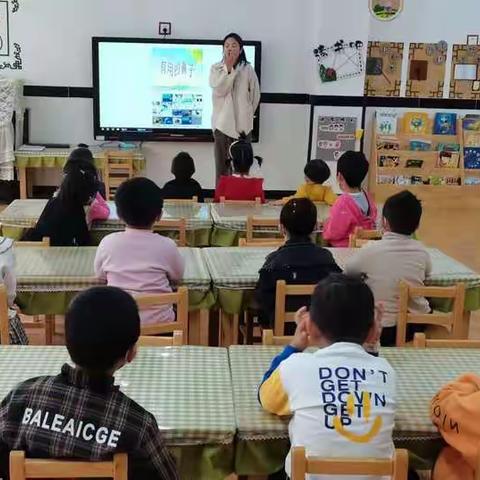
x: 426, y: 69
x: 384, y: 69
x: 465, y: 76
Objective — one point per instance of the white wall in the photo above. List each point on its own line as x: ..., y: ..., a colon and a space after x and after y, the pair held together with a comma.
x: 56, y: 40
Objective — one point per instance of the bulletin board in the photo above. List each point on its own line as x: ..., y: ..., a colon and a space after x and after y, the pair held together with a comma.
x: 465, y: 76
x: 426, y: 69
x: 384, y: 69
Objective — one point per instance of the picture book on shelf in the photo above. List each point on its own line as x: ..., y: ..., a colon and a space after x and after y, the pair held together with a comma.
x: 472, y: 181
x: 471, y: 158
x: 471, y: 139
x: 420, y: 145
x: 385, y: 179
x: 403, y: 180
x: 448, y: 147
x: 417, y: 180
x: 415, y: 123
x: 414, y: 163
x: 388, y: 161
x: 471, y: 123
x: 448, y: 159
x: 445, y: 124
x: 386, y: 122
x: 388, y: 143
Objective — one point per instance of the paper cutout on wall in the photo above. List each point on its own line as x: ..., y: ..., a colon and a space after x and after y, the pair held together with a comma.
x: 340, y: 61
x: 426, y: 69
x: 465, y: 75
x: 386, y: 10
x: 10, y: 52
x: 384, y: 69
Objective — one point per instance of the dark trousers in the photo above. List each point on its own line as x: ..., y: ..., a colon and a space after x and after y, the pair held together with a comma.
x: 389, y: 334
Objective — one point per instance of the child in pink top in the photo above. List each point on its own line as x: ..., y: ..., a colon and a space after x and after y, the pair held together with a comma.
x: 355, y: 208
x: 139, y: 260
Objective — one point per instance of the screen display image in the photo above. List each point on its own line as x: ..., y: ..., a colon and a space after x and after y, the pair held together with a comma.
x: 155, y: 89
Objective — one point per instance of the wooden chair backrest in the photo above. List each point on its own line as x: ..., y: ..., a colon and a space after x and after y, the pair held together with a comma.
x: 175, y: 341
x: 395, y: 468
x: 282, y: 292
x: 253, y: 223
x: 181, y: 201
x: 257, y: 201
x: 44, y: 243
x: 4, y: 320
x: 452, y: 320
x: 268, y: 338
x: 118, y: 168
x: 260, y: 242
x: 420, y: 341
x: 178, y: 298
x: 360, y: 237
x: 179, y: 226
x: 22, y: 468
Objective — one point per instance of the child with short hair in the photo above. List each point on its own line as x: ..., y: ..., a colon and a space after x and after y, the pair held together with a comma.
x: 80, y: 413
x: 355, y: 207
x: 139, y: 260
x: 342, y: 399
x: 240, y: 185
x: 299, y: 261
x: 397, y: 256
x: 316, y: 172
x: 63, y: 218
x: 184, y: 186
x: 82, y: 159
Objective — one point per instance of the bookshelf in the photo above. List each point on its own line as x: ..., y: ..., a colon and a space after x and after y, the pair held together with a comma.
x: 447, y: 185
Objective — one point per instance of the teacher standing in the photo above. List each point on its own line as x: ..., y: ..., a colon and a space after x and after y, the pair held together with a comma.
x: 236, y: 95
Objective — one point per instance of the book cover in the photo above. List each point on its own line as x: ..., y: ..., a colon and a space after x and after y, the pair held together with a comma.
x: 471, y: 139
x: 471, y: 123
x: 385, y: 143
x: 445, y: 124
x: 471, y: 158
x: 386, y: 122
x: 448, y: 147
x: 448, y: 159
x: 388, y: 161
x: 414, y: 163
x: 415, y: 122
x: 420, y: 145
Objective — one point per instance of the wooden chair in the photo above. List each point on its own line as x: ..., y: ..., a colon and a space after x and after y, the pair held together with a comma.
x: 43, y: 244
x: 258, y: 242
x: 396, y: 468
x: 269, y: 339
x: 283, y: 291
x: 258, y: 223
x: 451, y: 321
x: 175, y: 341
x: 22, y: 468
x: 118, y: 168
x: 4, y: 319
x: 179, y: 226
x: 420, y: 341
x: 178, y: 298
x: 181, y: 201
x: 360, y: 237
x: 257, y: 201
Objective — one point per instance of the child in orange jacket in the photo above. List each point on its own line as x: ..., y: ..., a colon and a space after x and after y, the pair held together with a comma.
x: 455, y: 410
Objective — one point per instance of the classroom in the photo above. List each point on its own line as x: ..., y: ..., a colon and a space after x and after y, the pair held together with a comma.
x: 238, y: 240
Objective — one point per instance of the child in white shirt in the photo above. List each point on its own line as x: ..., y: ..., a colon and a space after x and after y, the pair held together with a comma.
x: 342, y: 399
x: 397, y: 256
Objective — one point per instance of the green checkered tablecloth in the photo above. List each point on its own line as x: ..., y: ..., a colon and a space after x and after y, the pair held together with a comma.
x: 187, y: 389
x: 57, y: 157
x: 234, y: 217
x: 48, y: 278
x: 420, y: 374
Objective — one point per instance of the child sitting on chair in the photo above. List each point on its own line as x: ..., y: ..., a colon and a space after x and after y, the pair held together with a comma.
x: 341, y: 398
x: 240, y: 185
x: 397, y: 256
x: 139, y: 260
x: 316, y: 173
x: 354, y: 208
x: 299, y: 261
x: 184, y: 186
x: 80, y: 413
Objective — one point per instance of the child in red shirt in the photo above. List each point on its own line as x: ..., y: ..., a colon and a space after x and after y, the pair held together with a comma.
x: 240, y: 185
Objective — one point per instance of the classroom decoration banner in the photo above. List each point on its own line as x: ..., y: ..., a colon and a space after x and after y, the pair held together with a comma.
x: 386, y: 10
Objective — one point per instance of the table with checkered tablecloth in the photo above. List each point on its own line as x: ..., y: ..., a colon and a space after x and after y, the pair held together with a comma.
x: 187, y: 389
x: 23, y: 214
x: 48, y: 278
x: 234, y: 271
x: 230, y: 220
x: 262, y: 438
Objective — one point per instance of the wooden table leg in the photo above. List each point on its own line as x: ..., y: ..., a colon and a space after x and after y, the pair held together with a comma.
x: 204, y: 327
x: 464, y: 329
x: 198, y: 327
x: 22, y: 177
x: 49, y: 329
x: 228, y: 329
